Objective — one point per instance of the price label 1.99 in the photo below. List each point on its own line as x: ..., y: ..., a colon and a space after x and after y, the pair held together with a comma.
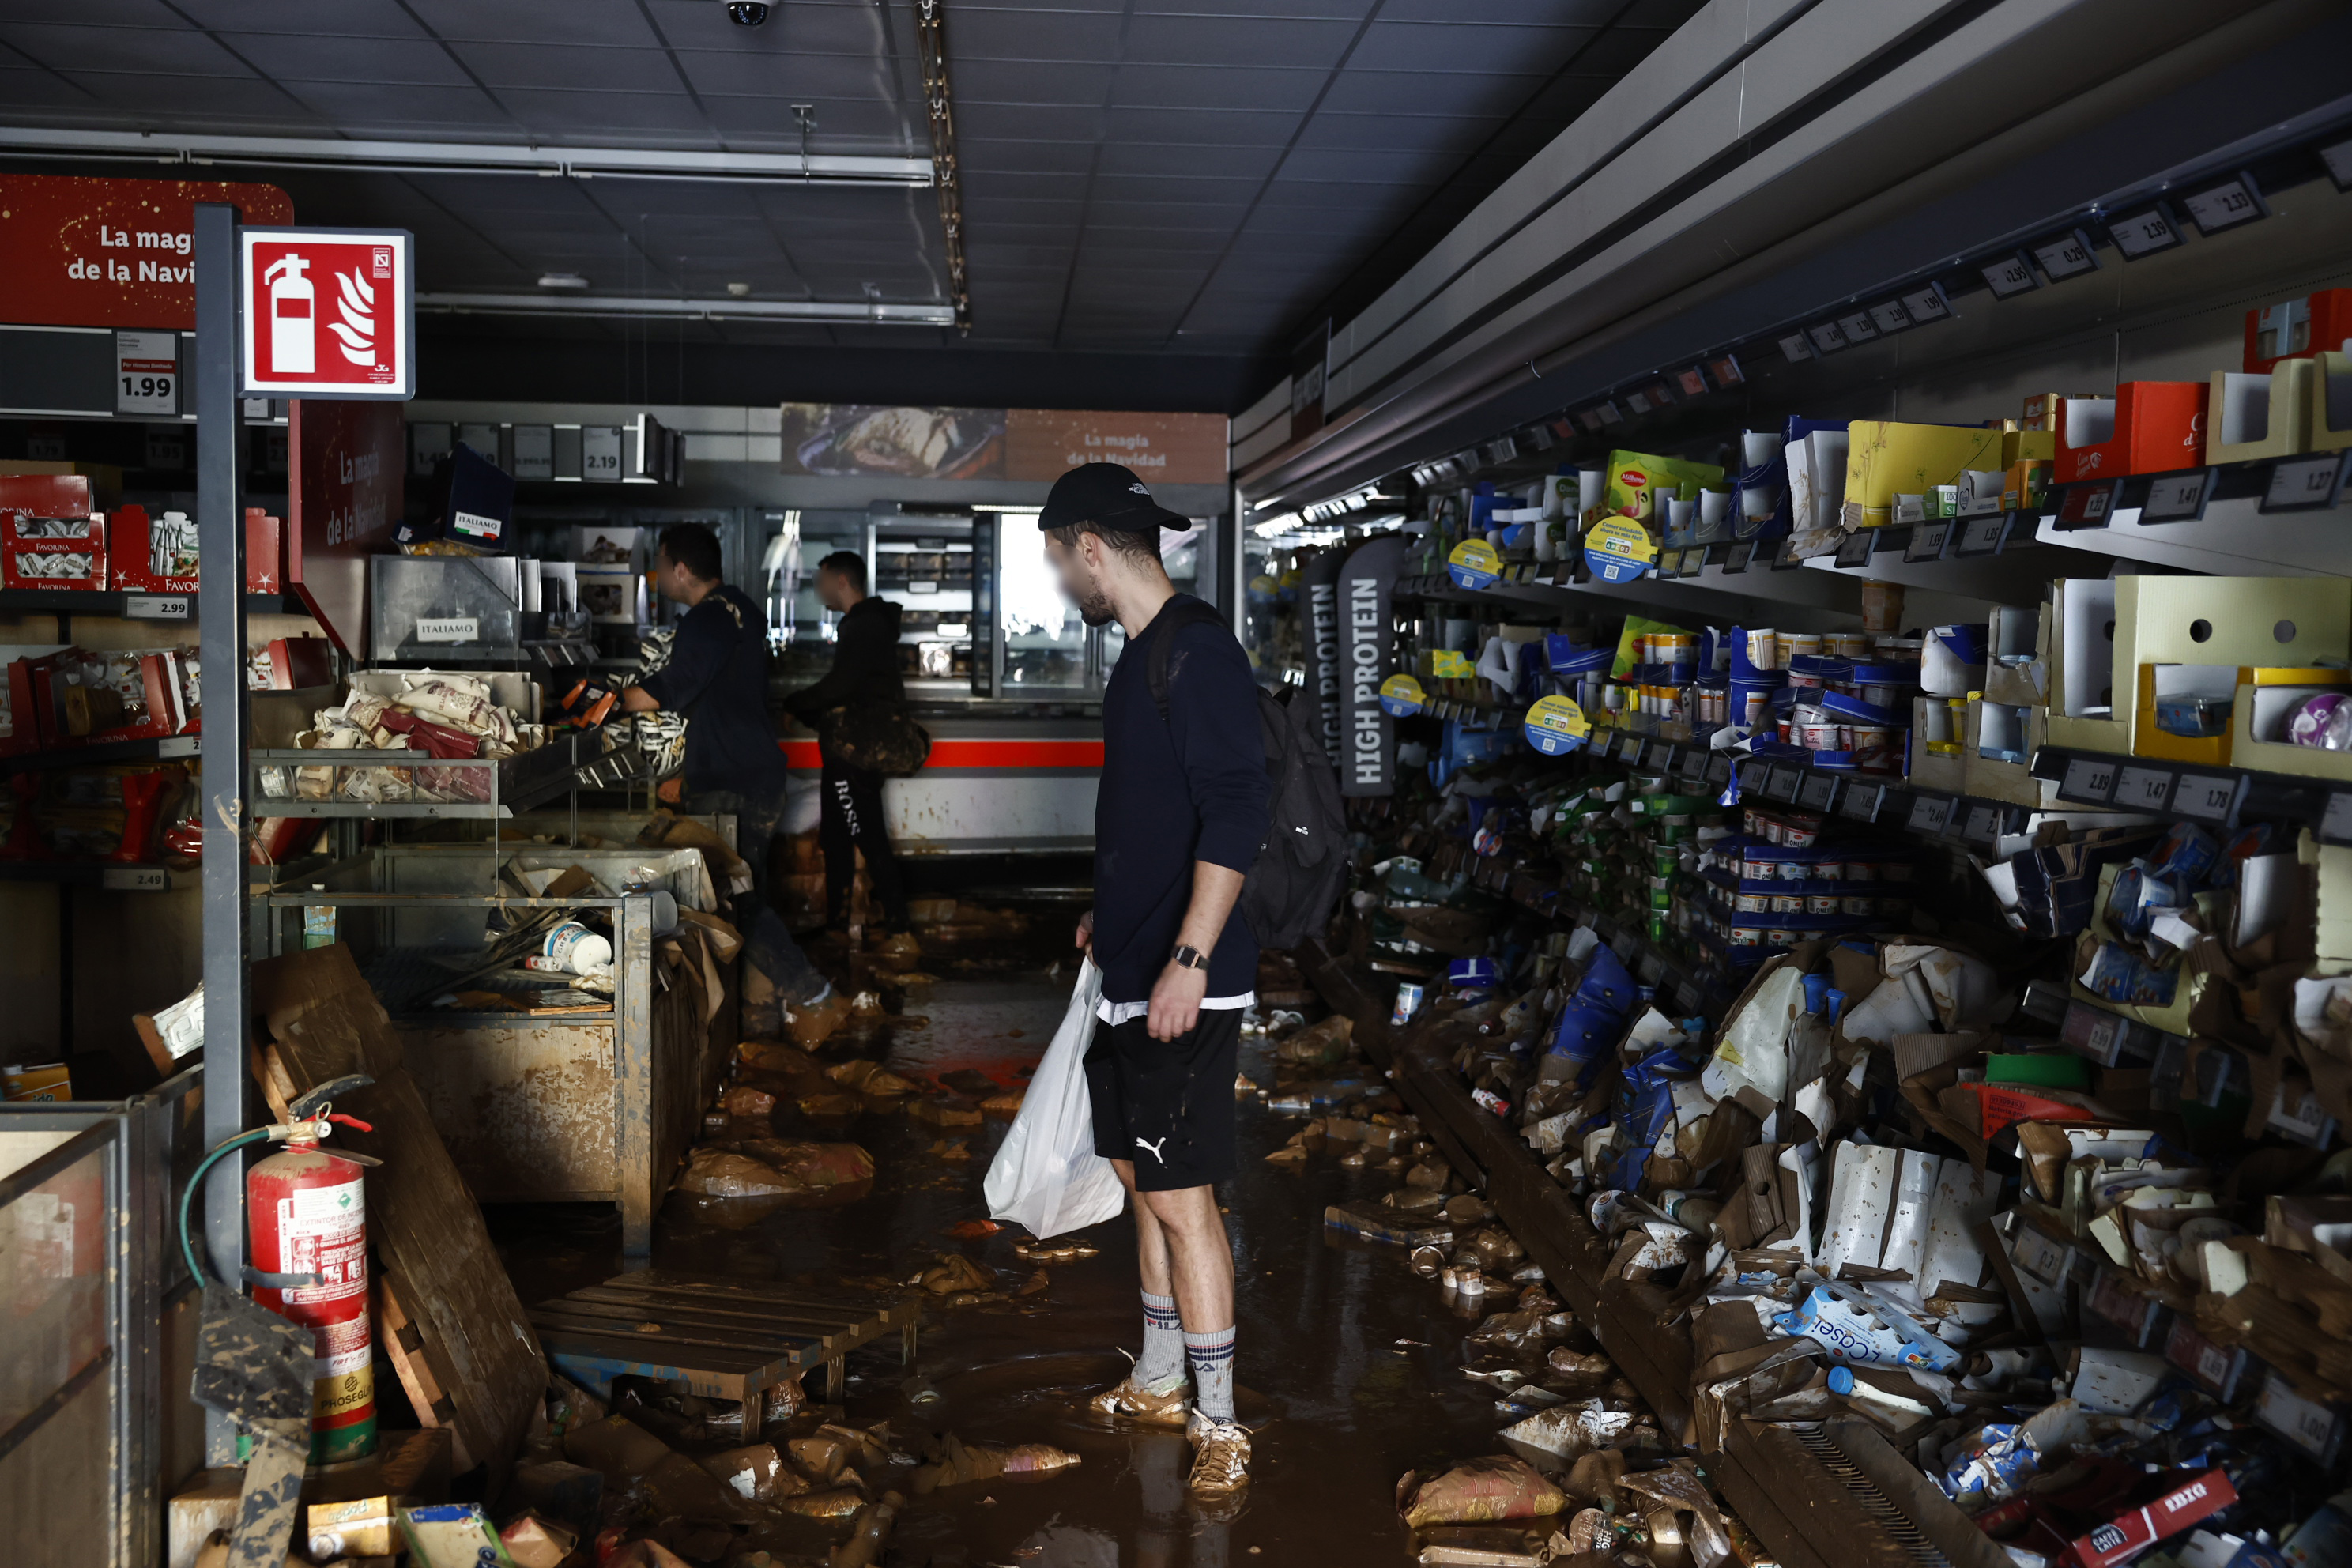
x: 2144, y: 789
x: 147, y: 373
x: 2090, y: 780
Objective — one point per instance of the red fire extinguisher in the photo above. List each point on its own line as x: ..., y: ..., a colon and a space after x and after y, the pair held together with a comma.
x: 306, y: 1215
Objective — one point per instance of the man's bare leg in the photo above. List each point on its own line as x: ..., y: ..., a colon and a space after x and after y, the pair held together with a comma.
x: 1160, y: 1388
x: 1200, y: 1262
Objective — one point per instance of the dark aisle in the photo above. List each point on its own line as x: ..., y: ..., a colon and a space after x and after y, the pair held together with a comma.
x: 1355, y: 1361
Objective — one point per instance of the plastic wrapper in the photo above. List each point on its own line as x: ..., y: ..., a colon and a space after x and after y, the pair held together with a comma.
x: 1478, y: 1493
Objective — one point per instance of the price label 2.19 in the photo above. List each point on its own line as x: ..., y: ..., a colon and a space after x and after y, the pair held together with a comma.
x: 1930, y: 814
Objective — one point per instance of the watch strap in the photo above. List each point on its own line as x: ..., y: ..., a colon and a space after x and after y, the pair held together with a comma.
x: 1190, y: 957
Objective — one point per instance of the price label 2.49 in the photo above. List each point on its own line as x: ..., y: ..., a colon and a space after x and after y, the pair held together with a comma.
x: 1930, y: 814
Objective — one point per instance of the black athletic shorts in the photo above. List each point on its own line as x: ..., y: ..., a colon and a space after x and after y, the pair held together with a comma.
x: 1168, y: 1105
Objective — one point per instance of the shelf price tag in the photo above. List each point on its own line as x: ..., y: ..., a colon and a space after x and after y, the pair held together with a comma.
x: 1862, y: 802
x: 1928, y: 541
x: 1718, y: 770
x: 1855, y: 550
x: 1930, y: 814
x: 1623, y: 945
x: 1752, y: 775
x: 1629, y: 749
x: 147, y: 373
x: 1986, y: 535
x: 2336, y: 823
x: 2302, y: 484
x: 2177, y: 498
x: 1983, y: 824
x: 2207, y: 796
x: 1818, y: 791
x: 1780, y: 784
x: 135, y: 880
x: 155, y: 607
x: 1694, y: 765
x: 1687, y: 997
x: 2144, y: 789
x: 1735, y: 559
x: 2090, y: 780
x: 2087, y: 506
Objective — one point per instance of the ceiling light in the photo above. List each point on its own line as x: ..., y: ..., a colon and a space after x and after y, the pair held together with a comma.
x: 740, y: 290
x: 561, y: 280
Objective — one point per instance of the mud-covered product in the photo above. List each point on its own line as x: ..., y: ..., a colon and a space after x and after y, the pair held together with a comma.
x: 1477, y: 1492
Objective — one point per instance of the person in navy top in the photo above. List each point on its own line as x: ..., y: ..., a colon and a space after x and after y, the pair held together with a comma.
x: 1180, y: 818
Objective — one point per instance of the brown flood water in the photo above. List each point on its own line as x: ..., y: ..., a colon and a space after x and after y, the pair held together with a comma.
x: 1355, y: 1363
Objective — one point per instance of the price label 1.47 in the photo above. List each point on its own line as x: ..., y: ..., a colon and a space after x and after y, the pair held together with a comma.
x: 2144, y: 789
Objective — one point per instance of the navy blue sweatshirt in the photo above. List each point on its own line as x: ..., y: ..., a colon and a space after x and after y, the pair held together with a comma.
x: 1193, y: 788
x: 718, y: 677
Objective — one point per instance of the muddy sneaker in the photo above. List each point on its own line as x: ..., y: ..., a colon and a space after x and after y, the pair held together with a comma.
x: 1168, y: 1402
x: 1221, y: 1455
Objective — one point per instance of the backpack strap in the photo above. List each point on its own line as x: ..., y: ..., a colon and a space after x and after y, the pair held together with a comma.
x: 1180, y: 612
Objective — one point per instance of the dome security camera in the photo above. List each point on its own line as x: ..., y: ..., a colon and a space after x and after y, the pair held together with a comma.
x: 747, y: 13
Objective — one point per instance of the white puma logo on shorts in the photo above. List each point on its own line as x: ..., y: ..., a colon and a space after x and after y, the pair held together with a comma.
x: 1153, y: 1150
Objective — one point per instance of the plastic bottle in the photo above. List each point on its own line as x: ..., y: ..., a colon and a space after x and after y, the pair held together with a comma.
x: 572, y: 946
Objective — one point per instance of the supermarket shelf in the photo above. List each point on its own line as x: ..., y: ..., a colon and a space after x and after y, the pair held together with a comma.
x: 134, y: 606
x: 113, y: 877
x: 2217, y: 796
x: 163, y: 749
x: 2277, y: 517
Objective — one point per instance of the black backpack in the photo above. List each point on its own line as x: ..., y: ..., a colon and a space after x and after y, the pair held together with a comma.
x: 1302, y: 866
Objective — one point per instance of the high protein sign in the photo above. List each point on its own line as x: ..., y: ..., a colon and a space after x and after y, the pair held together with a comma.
x: 1367, y: 754
x: 329, y: 312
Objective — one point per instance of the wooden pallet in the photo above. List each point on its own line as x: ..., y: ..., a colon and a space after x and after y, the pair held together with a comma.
x: 722, y: 1339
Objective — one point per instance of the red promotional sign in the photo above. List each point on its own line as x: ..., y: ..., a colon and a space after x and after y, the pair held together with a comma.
x: 78, y: 251
x: 345, y: 462
x: 329, y: 312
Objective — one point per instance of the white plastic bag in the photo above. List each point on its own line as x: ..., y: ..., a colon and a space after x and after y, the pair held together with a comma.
x: 1046, y: 1176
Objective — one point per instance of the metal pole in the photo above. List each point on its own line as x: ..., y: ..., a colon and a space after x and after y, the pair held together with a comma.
x: 220, y: 609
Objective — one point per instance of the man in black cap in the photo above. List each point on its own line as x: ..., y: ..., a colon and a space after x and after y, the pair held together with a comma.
x: 1180, y: 818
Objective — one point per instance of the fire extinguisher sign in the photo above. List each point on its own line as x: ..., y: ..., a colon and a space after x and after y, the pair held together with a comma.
x: 329, y: 312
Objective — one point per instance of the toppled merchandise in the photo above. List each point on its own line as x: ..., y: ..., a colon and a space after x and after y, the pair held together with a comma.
x: 2051, y: 1211
x: 446, y: 716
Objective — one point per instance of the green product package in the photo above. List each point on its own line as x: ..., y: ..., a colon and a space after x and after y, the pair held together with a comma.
x: 2040, y: 1070
x: 1637, y: 480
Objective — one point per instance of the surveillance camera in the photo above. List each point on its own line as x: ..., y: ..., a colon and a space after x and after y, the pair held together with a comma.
x: 747, y: 13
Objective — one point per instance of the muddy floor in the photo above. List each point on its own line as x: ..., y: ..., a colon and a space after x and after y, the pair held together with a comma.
x: 1353, y: 1364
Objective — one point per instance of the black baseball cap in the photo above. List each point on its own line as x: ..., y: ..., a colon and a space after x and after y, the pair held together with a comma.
x: 1107, y: 495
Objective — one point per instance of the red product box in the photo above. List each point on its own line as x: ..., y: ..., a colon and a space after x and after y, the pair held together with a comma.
x: 45, y: 495
x: 139, y: 561
x: 159, y: 678
x: 2131, y: 1532
x: 296, y: 662
x: 2146, y: 427
x: 23, y: 724
x: 265, y: 553
x: 56, y: 552
x: 2297, y: 329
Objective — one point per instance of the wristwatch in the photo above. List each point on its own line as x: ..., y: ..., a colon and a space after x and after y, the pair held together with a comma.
x: 1190, y: 957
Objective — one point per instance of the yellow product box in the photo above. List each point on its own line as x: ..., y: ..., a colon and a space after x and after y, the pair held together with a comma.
x: 2104, y: 629
x: 2263, y: 719
x: 1885, y: 459
x: 2181, y: 684
x: 2251, y: 416
x: 1637, y: 482
x: 42, y: 1081
x: 2030, y: 446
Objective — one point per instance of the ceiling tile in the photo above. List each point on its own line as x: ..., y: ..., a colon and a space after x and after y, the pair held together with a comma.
x: 396, y: 62
x: 1202, y: 127
x: 1257, y: 40
x: 1455, y: 135
x: 1017, y: 36
x: 177, y: 52
x: 344, y: 19
x: 1215, y: 86
x: 531, y: 22
x: 1238, y: 162
x: 1031, y: 81
x: 23, y: 87
x: 1438, y: 46
x: 575, y: 67
x: 367, y: 108
x: 1429, y: 93
x: 216, y: 98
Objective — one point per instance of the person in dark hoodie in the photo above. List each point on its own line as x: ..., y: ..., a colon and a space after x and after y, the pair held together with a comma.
x: 865, y: 674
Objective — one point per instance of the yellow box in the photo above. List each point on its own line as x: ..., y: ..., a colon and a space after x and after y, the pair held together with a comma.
x: 2331, y: 403
x: 2266, y: 700
x: 2102, y: 625
x: 2038, y: 444
x: 1884, y: 459
x: 2251, y: 416
x: 2041, y: 409
x: 2151, y: 739
x: 1939, y: 758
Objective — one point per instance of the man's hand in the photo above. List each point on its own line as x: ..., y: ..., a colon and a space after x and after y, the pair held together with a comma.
x: 1176, y: 1000
x: 637, y: 700
x: 1085, y: 937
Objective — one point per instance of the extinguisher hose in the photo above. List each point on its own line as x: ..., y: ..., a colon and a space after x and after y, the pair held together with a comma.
x: 196, y: 1184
